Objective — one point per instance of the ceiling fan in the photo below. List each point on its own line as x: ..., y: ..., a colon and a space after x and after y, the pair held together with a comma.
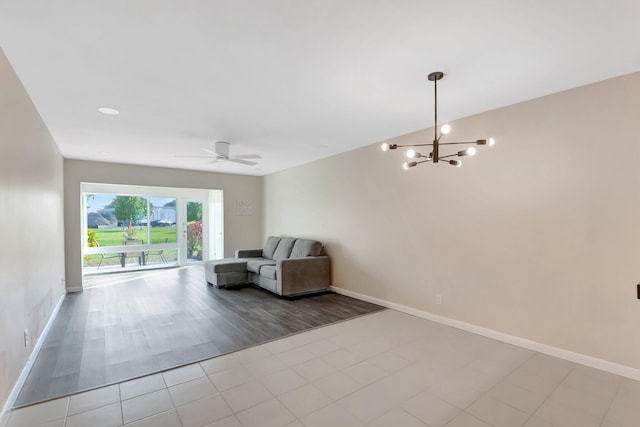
x: 221, y: 153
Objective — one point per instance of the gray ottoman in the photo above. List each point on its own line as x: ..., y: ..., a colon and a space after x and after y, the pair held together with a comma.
x: 226, y: 272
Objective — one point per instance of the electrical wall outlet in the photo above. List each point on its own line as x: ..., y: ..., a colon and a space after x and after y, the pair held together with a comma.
x: 26, y: 338
x: 438, y: 299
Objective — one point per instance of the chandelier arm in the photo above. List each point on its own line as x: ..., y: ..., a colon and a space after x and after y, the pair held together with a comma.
x: 430, y: 145
x: 414, y: 145
x: 458, y: 143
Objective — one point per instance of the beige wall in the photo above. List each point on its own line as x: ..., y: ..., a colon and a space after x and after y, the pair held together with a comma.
x: 239, y: 231
x: 31, y: 226
x: 538, y: 237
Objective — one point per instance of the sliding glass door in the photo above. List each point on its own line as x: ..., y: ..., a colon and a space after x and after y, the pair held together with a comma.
x: 130, y: 227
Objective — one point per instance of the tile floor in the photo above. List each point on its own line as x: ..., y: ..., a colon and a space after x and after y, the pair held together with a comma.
x: 384, y: 369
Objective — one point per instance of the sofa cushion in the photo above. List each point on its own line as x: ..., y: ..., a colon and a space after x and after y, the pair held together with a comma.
x: 270, y: 246
x: 254, y: 265
x: 284, y: 248
x: 268, y: 271
x: 306, y: 247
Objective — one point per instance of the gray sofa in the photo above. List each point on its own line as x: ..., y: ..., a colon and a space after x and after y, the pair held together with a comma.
x: 286, y: 266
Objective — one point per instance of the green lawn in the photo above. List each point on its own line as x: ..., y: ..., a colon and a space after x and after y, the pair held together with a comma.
x: 115, y: 236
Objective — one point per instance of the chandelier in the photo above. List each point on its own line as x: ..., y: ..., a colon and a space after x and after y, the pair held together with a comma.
x: 434, y: 156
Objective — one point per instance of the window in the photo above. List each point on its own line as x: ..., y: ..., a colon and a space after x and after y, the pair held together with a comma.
x: 132, y: 227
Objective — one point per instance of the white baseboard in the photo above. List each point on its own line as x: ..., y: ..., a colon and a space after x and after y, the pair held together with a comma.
x: 28, y: 365
x: 72, y: 289
x: 582, y: 359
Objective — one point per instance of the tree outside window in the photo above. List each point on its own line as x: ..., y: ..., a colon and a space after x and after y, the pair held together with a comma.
x: 129, y: 208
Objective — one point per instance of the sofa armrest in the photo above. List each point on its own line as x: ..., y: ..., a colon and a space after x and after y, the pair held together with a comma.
x: 248, y: 253
x: 303, y: 275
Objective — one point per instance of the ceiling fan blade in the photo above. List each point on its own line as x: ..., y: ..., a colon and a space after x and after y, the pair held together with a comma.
x: 243, y: 162
x: 209, y: 151
x: 199, y: 157
x: 246, y: 156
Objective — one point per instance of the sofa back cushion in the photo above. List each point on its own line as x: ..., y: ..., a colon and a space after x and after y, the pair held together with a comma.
x: 270, y: 246
x: 306, y: 247
x: 284, y: 248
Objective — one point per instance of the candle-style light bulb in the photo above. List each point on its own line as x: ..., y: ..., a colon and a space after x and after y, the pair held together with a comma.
x: 408, y: 165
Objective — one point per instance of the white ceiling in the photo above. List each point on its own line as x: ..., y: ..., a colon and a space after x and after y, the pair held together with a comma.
x: 294, y: 80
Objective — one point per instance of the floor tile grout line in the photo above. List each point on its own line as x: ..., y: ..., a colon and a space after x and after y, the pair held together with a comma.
x: 121, y: 408
x: 317, y: 409
x: 481, y: 420
x: 604, y: 416
x: 66, y: 412
x: 533, y: 354
x: 411, y: 415
x: 573, y: 365
x: 153, y: 415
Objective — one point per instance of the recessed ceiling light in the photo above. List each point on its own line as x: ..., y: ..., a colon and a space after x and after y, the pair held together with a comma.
x: 109, y: 111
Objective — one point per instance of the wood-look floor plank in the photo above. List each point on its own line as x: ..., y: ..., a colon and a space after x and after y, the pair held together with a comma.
x: 148, y: 322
